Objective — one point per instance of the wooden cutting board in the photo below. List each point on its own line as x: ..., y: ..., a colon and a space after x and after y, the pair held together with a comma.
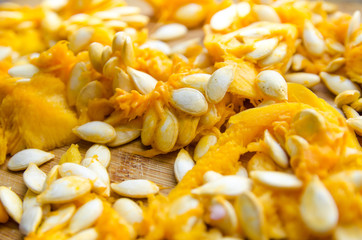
x: 124, y: 163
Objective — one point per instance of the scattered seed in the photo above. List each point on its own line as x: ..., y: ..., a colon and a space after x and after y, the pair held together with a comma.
x: 22, y: 159
x: 277, y: 180
x: 298, y: 62
x: 65, y: 189
x: 210, y: 176
x: 102, y: 175
x: 266, y: 13
x: 227, y: 185
x: 169, y: 32
x: 276, y: 56
x: 356, y: 124
x: 357, y: 105
x: 347, y: 232
x: 276, y: 152
x: 137, y: 188
x: 5, y: 52
x: 136, y: 21
x: 86, y: 215
x: 335, y: 64
x: 12, y: 203
x: 306, y: 79
x: 157, y: 45
x: 334, y: 47
x: 30, y: 220
x: 243, y: 9
x: 95, y: 55
x: 347, y: 97
x: 183, y: 164
x: 242, y: 172
x: 150, y: 120
x: 263, y: 48
x: 349, y: 112
x: 88, y: 234
x: 318, y: 209
x: 128, y: 54
x: 182, y: 205
x: 129, y: 210
x: 96, y: 131
x: 187, y: 126
x: 34, y: 178
x: 313, y: 39
x: 191, y: 14
x: 144, y: 82
x: 80, y: 39
x: 124, y: 135
x: 166, y: 132
x: 354, y: 24
x: 189, y: 100
x: 57, y: 218
x: 101, y: 153
x: 223, y: 18
x: 118, y: 42
x: 308, y: 122
x: 219, y: 83
x: 24, y: 71
x: 295, y: 145
x: 197, y: 81
x: 337, y: 84
x: 272, y: 84
x: 204, y: 145
x: 76, y: 82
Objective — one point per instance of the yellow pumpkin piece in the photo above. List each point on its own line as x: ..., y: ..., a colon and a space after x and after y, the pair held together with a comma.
x: 4, y: 217
x: 72, y: 155
x: 35, y: 114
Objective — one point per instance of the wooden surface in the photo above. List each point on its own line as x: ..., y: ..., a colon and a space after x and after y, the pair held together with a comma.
x: 124, y: 164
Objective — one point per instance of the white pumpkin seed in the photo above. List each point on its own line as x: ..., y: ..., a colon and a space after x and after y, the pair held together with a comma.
x: 102, y: 175
x: 295, y: 145
x: 183, y: 164
x: 210, y: 176
x: 57, y: 218
x: 266, y: 13
x: 76, y: 82
x: 182, y: 205
x: 306, y: 79
x: 30, y: 220
x: 144, y: 82
x: 184, y: 45
x: 357, y: 105
x: 334, y: 47
x: 276, y: 152
x: 80, y: 39
x: 356, y: 41
x: 118, y: 42
x: 272, y: 84
x: 86, y: 215
x: 219, y: 83
x: 157, y: 45
x: 109, y: 68
x: 210, y: 118
x: 65, y: 189
x: 354, y: 24
x: 263, y: 48
x: 298, y: 62
x: 337, y: 84
x: 189, y: 100
x: 243, y: 9
x: 166, y: 132
x: 136, y: 21
x: 25, y: 71
x: 242, y: 172
x: 277, y: 180
x: 128, y: 54
x: 129, y: 210
x: 253, y: 32
x: 96, y: 131
x: 124, y: 135
x: 318, y: 209
x: 349, y: 112
x: 53, y: 175
x: 29, y: 200
x: 150, y: 120
x: 223, y: 18
x: 12, y: 203
x: 34, y: 178
x: 5, y: 52
x: 313, y: 39
x: 87, y: 234
x: 122, y: 80
x: 187, y: 126
x: 191, y: 14
x: 356, y: 124
x: 101, y: 153
x: 276, y: 56
x: 204, y: 145
x: 22, y: 159
x: 250, y: 214
x: 169, y: 32
x: 347, y: 97
x: 95, y: 56
x: 136, y: 188
x: 347, y: 232
x: 227, y: 185
x: 197, y: 81
x: 90, y: 91
x: 335, y: 64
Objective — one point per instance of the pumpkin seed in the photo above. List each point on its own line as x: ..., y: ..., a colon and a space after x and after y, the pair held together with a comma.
x: 356, y: 124
x: 157, y: 45
x: 128, y: 54
x: 334, y: 47
x: 150, y: 120
x: 29, y: 200
x: 219, y: 83
x: 55, y: 5
x: 223, y: 18
x: 136, y: 188
x: 347, y: 232
x: 187, y: 126
x: 266, y: 13
x: 308, y: 122
x: 57, y: 218
x: 356, y: 41
x: 191, y: 14
x: 80, y: 39
x: 298, y: 62
x: 276, y: 56
x: 347, y: 97
x: 250, y: 214
x: 30, y: 220
x: 354, y: 24
x: 22, y: 159
x: 34, y: 178
x: 189, y: 100
x: 118, y: 42
x: 197, y: 81
x: 277, y: 180
x: 76, y: 82
x: 5, y: 52
x: 210, y: 118
x: 221, y: 214
x: 306, y: 79
x: 122, y: 80
x: 90, y: 91
x: 181, y: 47
x: 357, y: 105
x: 253, y: 32
x: 53, y: 175
x: 318, y: 209
x: 124, y: 135
x: 4, y: 216
x: 129, y: 210
x: 263, y: 48
x: 95, y: 56
x: 96, y: 131
x: 101, y: 153
x: 210, y: 176
x: 87, y: 234
x: 313, y: 39
x: 169, y: 32
x: 144, y: 82
x: 337, y: 84
x: 182, y: 205
x: 12, y: 203
x: 136, y: 21
x: 183, y: 164
x: 102, y: 175
x: 335, y: 64
x: 276, y: 152
x: 295, y: 145
x: 227, y: 185
x: 25, y: 71
x: 65, y: 189
x: 166, y: 132
x: 204, y: 145
x: 86, y: 215
x: 243, y: 9
x: 106, y: 55
x: 349, y: 112
x: 272, y: 84
x: 242, y: 172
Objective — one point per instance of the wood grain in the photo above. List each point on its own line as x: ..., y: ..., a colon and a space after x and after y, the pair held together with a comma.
x: 125, y: 164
